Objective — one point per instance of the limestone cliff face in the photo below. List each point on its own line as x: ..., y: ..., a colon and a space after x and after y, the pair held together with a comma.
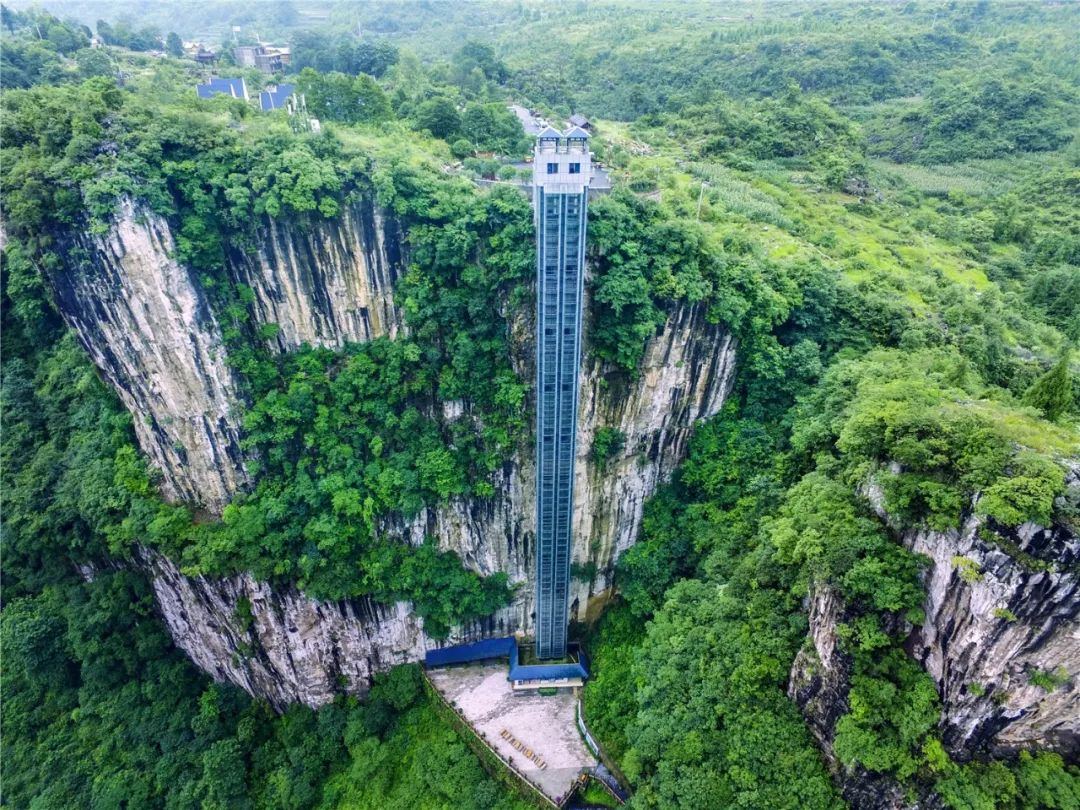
x: 275, y: 642
x: 1002, y: 607
x: 685, y: 376
x: 328, y: 283
x: 821, y: 671
x: 147, y: 325
x: 297, y: 649
x: 145, y: 321
x: 994, y: 624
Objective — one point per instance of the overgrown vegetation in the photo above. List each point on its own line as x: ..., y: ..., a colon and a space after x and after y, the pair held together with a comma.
x: 886, y: 354
x: 968, y: 115
x: 877, y: 202
x: 339, y: 444
x: 705, y: 683
x: 101, y: 710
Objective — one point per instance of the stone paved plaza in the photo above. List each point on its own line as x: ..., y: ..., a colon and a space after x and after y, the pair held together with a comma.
x: 545, y: 725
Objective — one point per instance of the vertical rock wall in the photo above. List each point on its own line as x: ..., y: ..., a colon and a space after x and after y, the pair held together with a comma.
x: 146, y: 324
x: 686, y: 374
x: 993, y: 626
x: 291, y: 648
x: 1001, y: 607
x: 328, y: 283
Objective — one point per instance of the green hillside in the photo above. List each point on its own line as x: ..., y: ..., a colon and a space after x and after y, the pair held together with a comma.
x: 881, y: 203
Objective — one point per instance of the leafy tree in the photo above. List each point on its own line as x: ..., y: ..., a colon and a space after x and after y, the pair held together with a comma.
x: 439, y: 116
x: 461, y: 148
x: 492, y: 127
x: 625, y: 313
x: 609, y: 702
x: 122, y: 34
x: 10, y: 19
x: 371, y: 100
x: 1056, y: 291
x: 337, y: 97
x: 1044, y: 780
x: 342, y: 54
x: 284, y: 13
x: 607, y: 443
x: 892, y: 713
x: 481, y: 55
x: 224, y: 775
x: 94, y: 62
x: 174, y: 46
x: 1052, y: 393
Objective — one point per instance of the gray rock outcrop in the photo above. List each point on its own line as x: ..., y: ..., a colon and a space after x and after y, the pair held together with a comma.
x: 327, y: 283
x: 996, y: 620
x: 685, y: 375
x: 276, y: 643
x: 1001, y: 640
x: 145, y: 321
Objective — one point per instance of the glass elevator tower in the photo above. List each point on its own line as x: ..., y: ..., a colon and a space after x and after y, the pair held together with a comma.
x: 561, y: 172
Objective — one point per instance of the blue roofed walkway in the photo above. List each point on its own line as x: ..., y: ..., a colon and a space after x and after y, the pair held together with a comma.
x: 523, y: 676
x: 489, y: 648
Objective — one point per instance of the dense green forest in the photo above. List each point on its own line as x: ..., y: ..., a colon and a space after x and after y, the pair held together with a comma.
x: 881, y: 203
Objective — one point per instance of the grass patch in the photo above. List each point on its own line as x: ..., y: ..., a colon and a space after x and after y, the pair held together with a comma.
x: 596, y: 796
x: 1049, y: 680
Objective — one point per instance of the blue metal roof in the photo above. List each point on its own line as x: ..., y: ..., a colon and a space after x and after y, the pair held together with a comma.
x: 477, y: 651
x: 506, y: 648
x: 275, y: 99
x: 549, y: 134
x: 230, y: 87
x: 577, y: 133
x: 547, y: 672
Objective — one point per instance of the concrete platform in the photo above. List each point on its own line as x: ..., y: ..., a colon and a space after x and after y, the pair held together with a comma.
x: 551, y: 752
